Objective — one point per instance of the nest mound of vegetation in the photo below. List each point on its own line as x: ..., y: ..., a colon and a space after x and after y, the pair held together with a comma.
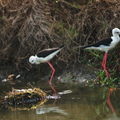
x: 28, y: 26
x: 24, y: 99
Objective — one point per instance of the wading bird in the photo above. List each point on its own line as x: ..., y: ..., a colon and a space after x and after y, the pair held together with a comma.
x: 45, y: 56
x: 105, y: 45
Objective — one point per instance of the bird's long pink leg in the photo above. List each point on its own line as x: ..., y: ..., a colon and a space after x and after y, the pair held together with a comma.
x: 50, y: 81
x: 53, y: 71
x: 52, y: 87
x: 104, y: 64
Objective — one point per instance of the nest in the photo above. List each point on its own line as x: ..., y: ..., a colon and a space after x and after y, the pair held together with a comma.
x: 24, y: 99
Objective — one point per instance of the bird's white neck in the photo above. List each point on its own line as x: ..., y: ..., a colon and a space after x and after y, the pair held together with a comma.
x: 36, y: 60
x: 116, y: 36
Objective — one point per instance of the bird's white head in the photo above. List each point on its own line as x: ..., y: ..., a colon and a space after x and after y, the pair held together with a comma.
x: 116, y: 31
x: 32, y: 60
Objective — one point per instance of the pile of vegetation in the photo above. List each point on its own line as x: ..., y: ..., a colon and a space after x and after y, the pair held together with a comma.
x: 24, y: 99
x: 28, y: 26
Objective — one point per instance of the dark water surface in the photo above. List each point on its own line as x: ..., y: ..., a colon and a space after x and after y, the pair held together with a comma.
x: 82, y: 104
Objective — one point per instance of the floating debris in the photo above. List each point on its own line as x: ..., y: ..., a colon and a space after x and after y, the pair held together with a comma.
x: 65, y: 92
x: 58, y: 95
x: 18, y: 76
x: 11, y: 79
x: 24, y: 99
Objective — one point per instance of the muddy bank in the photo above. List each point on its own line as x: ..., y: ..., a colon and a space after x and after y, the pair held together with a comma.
x: 80, y: 74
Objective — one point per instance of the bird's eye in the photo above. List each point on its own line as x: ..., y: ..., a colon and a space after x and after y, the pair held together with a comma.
x: 32, y: 61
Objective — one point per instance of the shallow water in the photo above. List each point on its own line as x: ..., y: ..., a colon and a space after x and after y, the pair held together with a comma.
x: 82, y: 104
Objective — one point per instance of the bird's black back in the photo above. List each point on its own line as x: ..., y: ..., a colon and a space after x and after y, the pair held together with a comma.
x: 47, y: 52
x: 105, y: 42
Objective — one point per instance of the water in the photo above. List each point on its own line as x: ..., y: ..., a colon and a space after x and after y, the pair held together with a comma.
x: 82, y: 104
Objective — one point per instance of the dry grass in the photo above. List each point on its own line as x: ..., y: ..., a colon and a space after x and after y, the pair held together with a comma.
x: 25, y: 29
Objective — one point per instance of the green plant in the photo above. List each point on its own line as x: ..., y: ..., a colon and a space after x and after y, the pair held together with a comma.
x: 112, y: 63
x: 106, y: 81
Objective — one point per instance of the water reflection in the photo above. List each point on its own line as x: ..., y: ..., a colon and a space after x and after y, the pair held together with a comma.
x: 47, y: 109
x: 109, y: 101
x: 81, y: 104
x: 112, y: 116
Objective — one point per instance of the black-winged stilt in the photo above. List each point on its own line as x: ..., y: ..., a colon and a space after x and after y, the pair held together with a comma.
x: 45, y: 56
x: 105, y: 45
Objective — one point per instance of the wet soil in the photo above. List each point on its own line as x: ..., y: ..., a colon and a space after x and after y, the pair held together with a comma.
x: 80, y: 74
